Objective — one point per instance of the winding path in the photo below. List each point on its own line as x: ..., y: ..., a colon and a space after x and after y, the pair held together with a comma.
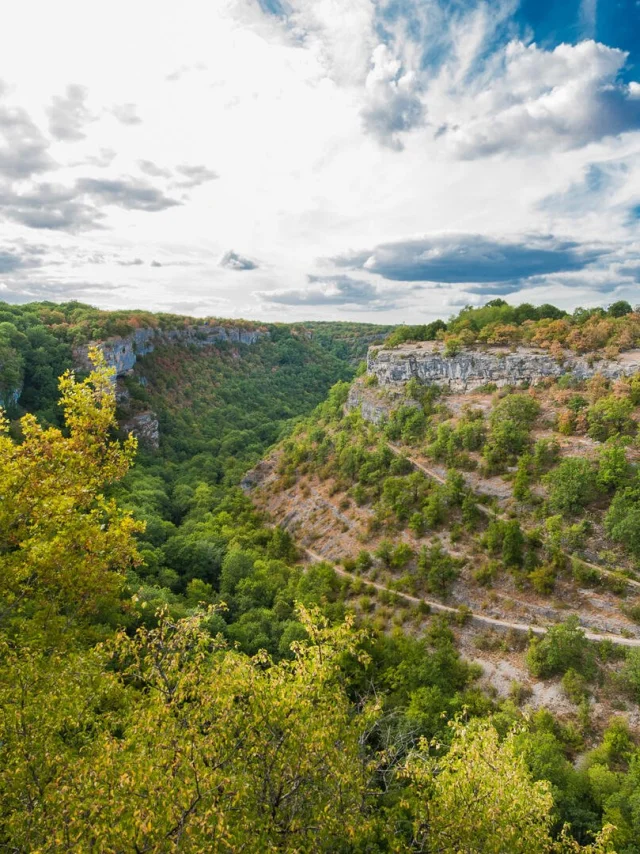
x: 491, y: 514
x: 477, y: 619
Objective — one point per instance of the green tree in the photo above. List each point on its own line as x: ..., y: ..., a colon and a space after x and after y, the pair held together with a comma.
x: 512, y: 544
x: 562, y: 647
x: 611, y: 416
x: 572, y: 484
x: 477, y: 796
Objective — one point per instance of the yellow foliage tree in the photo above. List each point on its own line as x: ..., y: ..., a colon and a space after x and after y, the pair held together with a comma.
x: 63, y: 545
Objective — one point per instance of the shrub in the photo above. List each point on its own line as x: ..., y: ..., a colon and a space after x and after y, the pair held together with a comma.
x: 543, y: 578
x: 562, y: 647
x: 574, y: 686
x: 622, y: 521
x: 571, y: 485
x: 512, y: 543
x: 611, y: 416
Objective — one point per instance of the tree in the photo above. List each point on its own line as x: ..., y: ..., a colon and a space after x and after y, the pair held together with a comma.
x: 623, y: 518
x: 619, y: 308
x: 611, y: 416
x: 438, y: 568
x: 512, y: 544
x: 563, y: 646
x: 216, y: 752
x: 522, y: 480
x: 572, y: 484
x: 478, y: 796
x: 62, y: 543
x: 510, y: 423
x: 613, y: 467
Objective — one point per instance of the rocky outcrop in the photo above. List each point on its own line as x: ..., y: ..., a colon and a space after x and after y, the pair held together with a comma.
x: 472, y: 368
x: 375, y: 404
x: 123, y: 353
x: 145, y: 428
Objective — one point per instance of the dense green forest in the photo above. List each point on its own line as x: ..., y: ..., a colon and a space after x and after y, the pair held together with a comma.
x: 176, y: 678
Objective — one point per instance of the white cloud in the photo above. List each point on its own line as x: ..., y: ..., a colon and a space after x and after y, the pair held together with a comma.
x: 543, y: 100
x: 332, y: 128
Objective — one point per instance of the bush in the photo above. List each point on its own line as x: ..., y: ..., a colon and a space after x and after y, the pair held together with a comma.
x: 512, y: 543
x: 543, y: 578
x: 611, y: 416
x: 631, y: 673
x: 564, y: 646
x: 622, y: 521
x: 571, y: 485
x: 574, y: 686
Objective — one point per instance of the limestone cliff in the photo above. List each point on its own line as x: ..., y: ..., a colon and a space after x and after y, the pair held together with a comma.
x: 145, y: 427
x: 122, y: 353
x: 476, y: 367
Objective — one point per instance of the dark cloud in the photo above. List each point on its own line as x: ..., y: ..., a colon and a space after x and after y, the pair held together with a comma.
x: 156, y: 264
x: 79, y: 207
x: 341, y: 291
x: 126, y: 114
x: 127, y: 193
x: 136, y: 262
x: 469, y: 258
x: 194, y: 175
x: 23, y: 147
x: 68, y: 114
x: 49, y: 206
x: 233, y: 261
x: 11, y: 261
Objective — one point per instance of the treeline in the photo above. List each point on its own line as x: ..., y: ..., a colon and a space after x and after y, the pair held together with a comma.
x: 612, y: 329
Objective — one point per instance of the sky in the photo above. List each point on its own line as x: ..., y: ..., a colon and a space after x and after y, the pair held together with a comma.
x: 385, y: 161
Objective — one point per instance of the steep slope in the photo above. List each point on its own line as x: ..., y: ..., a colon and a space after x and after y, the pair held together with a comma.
x: 509, y: 504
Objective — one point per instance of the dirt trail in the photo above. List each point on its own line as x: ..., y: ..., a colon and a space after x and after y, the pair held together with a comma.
x: 478, y: 619
x: 491, y: 514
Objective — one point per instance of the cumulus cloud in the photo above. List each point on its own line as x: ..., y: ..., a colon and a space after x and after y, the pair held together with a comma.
x: 24, y: 150
x: 469, y: 258
x: 392, y: 99
x: 339, y: 290
x: 68, y: 114
x: 128, y: 193
x: 49, y: 206
x: 152, y: 169
x: 531, y: 100
x: 193, y: 175
x: 234, y: 261
x: 80, y: 206
x: 11, y: 260
x: 126, y: 114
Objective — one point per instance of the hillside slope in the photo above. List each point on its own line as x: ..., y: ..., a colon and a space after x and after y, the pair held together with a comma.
x: 502, y: 484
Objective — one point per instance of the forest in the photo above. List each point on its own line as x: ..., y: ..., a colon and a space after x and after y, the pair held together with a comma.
x: 177, y: 676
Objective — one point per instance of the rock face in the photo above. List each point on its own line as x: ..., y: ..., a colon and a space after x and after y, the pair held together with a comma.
x: 374, y: 406
x: 473, y: 367
x: 122, y: 353
x: 144, y: 427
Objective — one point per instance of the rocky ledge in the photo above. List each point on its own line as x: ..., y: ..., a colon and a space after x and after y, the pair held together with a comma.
x: 122, y: 353
x: 471, y: 368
